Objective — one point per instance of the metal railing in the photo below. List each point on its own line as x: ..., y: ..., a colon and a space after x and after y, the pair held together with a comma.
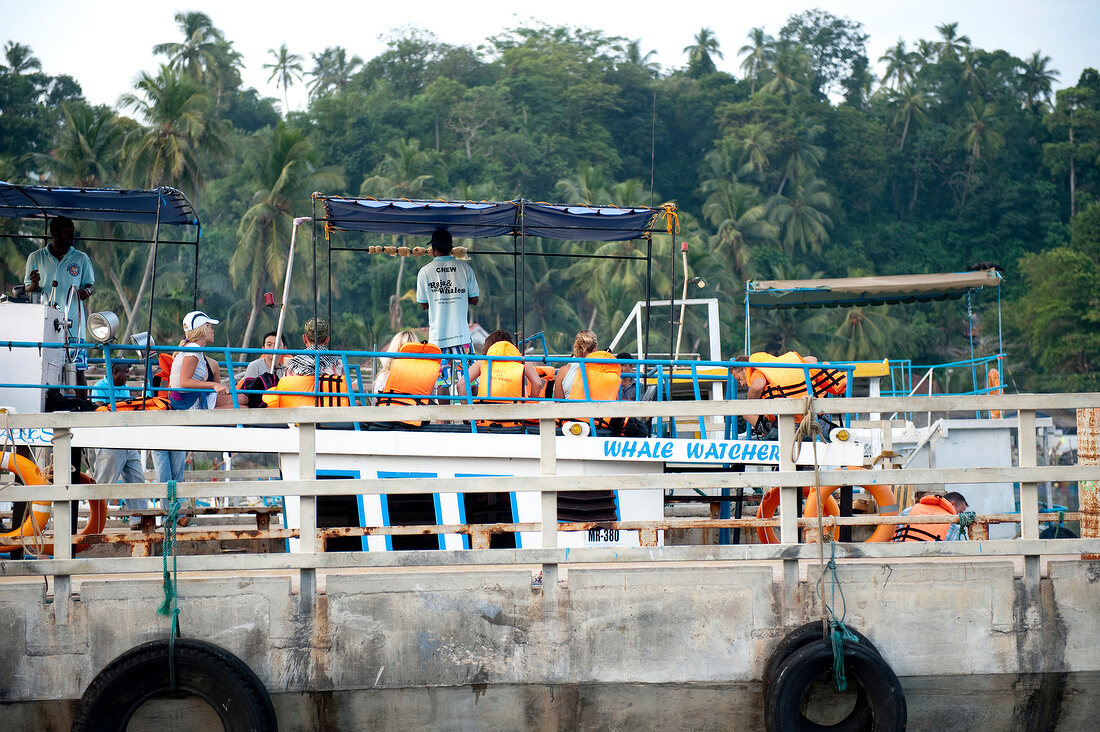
x: 789, y: 481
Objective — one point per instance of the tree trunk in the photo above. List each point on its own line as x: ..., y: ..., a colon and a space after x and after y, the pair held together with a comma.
x: 905, y: 129
x: 252, y: 317
x: 149, y: 264
x: 125, y: 301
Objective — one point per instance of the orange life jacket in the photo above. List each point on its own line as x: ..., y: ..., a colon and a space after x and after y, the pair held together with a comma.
x: 790, y: 383
x: 412, y: 378
x: 501, y: 379
x: 150, y: 404
x: 604, y: 380
x: 928, y: 506
x: 326, y: 384
x: 547, y: 374
x: 162, y: 373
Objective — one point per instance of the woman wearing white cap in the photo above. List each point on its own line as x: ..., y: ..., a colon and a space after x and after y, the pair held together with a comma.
x: 191, y: 370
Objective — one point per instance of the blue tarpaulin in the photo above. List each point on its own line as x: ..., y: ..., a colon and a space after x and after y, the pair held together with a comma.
x: 97, y: 204
x: 477, y: 220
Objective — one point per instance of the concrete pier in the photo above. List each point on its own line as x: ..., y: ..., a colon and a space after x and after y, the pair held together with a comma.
x: 611, y: 647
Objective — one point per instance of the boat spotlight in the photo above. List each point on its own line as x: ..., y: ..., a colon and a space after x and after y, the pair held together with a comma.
x: 698, y: 282
x: 103, y: 326
x: 143, y: 341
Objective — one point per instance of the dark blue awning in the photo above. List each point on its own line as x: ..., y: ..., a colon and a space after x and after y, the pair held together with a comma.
x: 97, y: 204
x: 478, y: 220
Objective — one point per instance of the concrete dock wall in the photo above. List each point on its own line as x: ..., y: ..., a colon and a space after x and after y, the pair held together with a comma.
x: 649, y: 646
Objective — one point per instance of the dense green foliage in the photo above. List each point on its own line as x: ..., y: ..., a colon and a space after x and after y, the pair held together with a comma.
x: 804, y: 166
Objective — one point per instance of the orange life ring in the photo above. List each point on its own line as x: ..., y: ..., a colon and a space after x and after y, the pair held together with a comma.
x: 39, y: 515
x: 770, y: 502
x: 883, y: 495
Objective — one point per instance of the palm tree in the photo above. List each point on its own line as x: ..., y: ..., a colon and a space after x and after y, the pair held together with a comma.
x: 900, y: 65
x: 801, y: 218
x: 198, y: 54
x: 758, y: 54
x: 979, y: 133
x: 632, y: 56
x: 788, y: 73
x: 737, y: 213
x: 865, y: 333
x: 332, y: 71
x: 951, y: 45
x: 181, y: 126
x: 283, y: 169
x: 803, y: 156
x: 1037, y: 80
x: 405, y: 172
x: 88, y: 148
x: 287, y: 67
x: 910, y: 104
x: 752, y: 145
x: 701, y: 53
x: 20, y: 58
x: 181, y: 129
x: 587, y: 186
x: 972, y: 72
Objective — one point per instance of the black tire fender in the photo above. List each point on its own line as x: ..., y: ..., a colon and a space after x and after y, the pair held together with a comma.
x: 203, y: 669
x: 876, y: 682
x: 796, y: 639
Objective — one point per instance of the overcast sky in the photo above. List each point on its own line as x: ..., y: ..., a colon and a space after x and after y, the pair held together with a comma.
x: 105, y: 44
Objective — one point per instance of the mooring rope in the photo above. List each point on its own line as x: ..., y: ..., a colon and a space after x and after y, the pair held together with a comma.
x: 171, y: 597
x: 831, y: 626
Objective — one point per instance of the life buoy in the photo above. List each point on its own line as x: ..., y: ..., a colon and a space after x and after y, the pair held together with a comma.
x: 34, y: 523
x: 801, y: 637
x: 770, y: 502
x: 202, y: 669
x: 883, y: 495
x: 883, y: 706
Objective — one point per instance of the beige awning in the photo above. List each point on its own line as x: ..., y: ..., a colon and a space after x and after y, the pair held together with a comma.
x: 851, y: 291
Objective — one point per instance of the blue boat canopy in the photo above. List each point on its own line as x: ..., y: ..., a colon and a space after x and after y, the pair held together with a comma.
x: 97, y: 204
x: 477, y: 220
x: 853, y: 291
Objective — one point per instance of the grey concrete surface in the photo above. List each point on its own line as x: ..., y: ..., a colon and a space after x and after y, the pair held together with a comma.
x: 640, y: 646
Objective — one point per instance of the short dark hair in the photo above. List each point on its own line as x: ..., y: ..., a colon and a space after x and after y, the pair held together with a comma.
x: 625, y: 356
x: 272, y: 334
x: 497, y: 336
x: 57, y: 223
x: 442, y: 242
x: 955, y: 497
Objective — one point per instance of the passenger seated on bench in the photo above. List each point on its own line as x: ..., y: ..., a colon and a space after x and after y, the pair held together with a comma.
x: 334, y: 391
x: 399, y: 339
x: 600, y: 382
x: 584, y: 344
x: 510, y: 379
x: 412, y: 380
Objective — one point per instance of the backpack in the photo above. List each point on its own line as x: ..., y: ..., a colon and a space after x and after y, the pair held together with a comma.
x: 263, y: 382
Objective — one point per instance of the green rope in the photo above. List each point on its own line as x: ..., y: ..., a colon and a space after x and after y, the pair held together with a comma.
x: 170, y: 606
x: 966, y: 518
x: 838, y: 632
x: 1058, y: 530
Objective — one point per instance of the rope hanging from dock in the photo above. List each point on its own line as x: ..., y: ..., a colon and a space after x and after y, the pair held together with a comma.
x: 831, y: 626
x: 171, y: 596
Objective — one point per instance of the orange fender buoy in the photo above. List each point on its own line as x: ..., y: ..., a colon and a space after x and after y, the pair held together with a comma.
x: 883, y: 495
x: 770, y: 502
x: 993, y: 382
x: 39, y: 515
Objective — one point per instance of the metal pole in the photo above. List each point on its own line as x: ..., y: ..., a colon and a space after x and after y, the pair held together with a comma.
x: 683, y: 301
x: 286, y: 282
x: 152, y: 293
x: 643, y: 348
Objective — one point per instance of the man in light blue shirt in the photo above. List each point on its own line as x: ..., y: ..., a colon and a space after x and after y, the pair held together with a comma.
x: 60, y: 263
x: 446, y: 287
